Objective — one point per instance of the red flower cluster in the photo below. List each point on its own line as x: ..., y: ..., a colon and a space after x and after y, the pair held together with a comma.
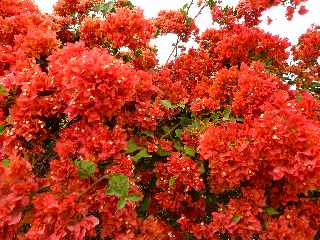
x: 176, y: 22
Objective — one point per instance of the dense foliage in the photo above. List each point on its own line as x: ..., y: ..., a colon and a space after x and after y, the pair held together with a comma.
x: 98, y: 141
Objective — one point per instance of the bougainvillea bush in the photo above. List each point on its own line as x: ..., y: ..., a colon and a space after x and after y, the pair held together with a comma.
x: 99, y: 141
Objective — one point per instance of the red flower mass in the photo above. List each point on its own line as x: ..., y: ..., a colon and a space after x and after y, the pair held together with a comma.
x: 98, y: 141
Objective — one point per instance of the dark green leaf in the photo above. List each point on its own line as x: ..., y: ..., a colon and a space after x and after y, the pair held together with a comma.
x: 236, y: 218
x: 211, y: 3
x: 138, y: 52
x: 184, y: 121
x: 132, y: 147
x: 118, y: 185
x: 6, y: 162
x: 268, y: 62
x: 127, y: 58
x: 271, y: 211
x: 86, y: 168
x: 2, y: 127
x: 163, y: 153
x: 178, y: 133
x: 190, y: 151
x: 166, y: 129
x: 178, y: 146
x: 148, y: 133
x: 158, y: 32
x: 215, y: 116
x: 143, y: 208
x: 142, y: 154
x: 202, y: 169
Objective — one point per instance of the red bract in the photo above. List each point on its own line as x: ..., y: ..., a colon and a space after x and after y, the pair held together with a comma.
x: 67, y: 7
x: 128, y: 28
x: 13, y: 7
x: 289, y: 226
x: 175, y: 178
x: 95, y: 143
x: 252, y: 44
x: 230, y: 158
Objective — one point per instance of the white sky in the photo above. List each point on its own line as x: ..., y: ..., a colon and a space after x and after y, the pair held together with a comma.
x: 279, y: 26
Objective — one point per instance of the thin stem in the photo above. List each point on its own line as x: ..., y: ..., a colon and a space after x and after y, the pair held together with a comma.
x: 175, y: 48
x: 200, y: 10
x: 105, y: 177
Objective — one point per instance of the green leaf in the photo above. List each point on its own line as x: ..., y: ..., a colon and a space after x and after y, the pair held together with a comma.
x: 132, y: 147
x: 163, y: 153
x: 158, y: 32
x: 127, y: 58
x: 121, y: 203
x: 271, y: 211
x: 74, y: 14
x: 3, y: 91
x: 211, y: 3
x: 298, y: 97
x: 236, y: 218
x: 172, y: 181
x: 143, y: 208
x: 178, y: 132
x: 127, y: 4
x: 238, y: 119
x: 189, y: 21
x: 190, y: 151
x: 105, y: 7
x: 6, y: 162
x: 118, y: 186
x: 226, y: 114
x: 148, y: 133
x: 138, y: 52
x: 268, y: 62
x: 181, y: 105
x: 178, y: 147
x: 167, y: 104
x: 185, y: 6
x: 184, y: 121
x: 196, y: 124
x: 86, y: 168
x: 134, y: 197
x: 202, y: 169
x: 2, y: 127
x: 215, y: 117
x: 141, y: 154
